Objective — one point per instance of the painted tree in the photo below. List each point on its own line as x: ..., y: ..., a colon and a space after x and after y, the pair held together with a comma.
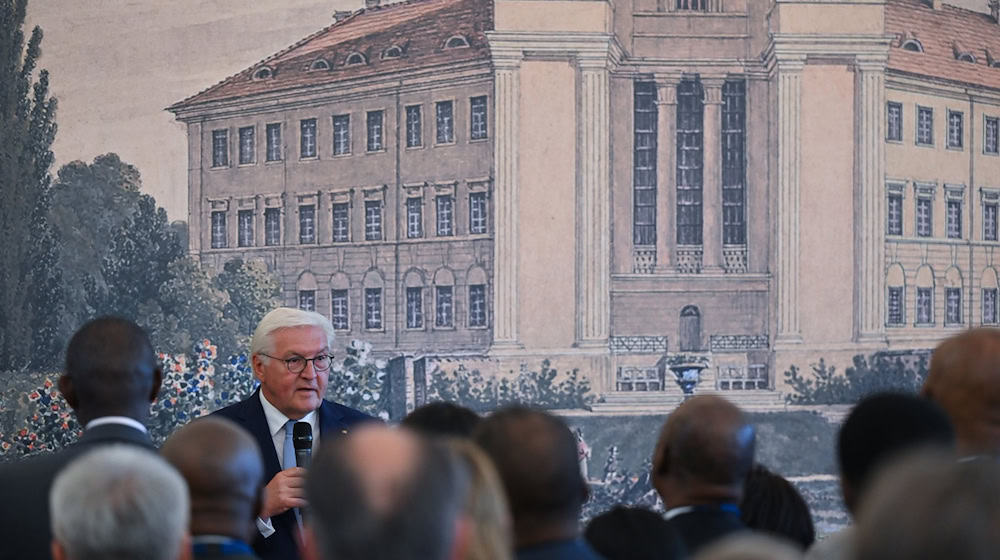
x: 29, y: 302
x: 253, y: 291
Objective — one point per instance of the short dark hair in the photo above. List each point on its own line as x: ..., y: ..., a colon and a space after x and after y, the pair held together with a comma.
x: 442, y: 419
x: 884, y: 425
x: 772, y: 505
x: 111, y: 362
x: 419, y: 524
x: 626, y: 533
x: 536, y: 456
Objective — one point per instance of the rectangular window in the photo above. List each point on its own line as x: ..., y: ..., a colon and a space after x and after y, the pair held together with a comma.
x: 895, y: 311
x: 307, y: 138
x: 373, y: 220
x: 244, y: 228
x: 991, y: 135
x: 924, y: 217
x: 477, y: 118
x: 954, y: 219
x: 272, y: 226
x: 307, y: 224
x: 339, y: 310
x: 415, y: 308
x: 247, y: 145
x: 644, y: 164
x: 444, y: 112
x: 693, y: 5
x: 989, y: 306
x: 445, y: 215
x: 341, y: 222
x: 444, y: 307
x: 414, y: 127
x: 990, y: 221
x: 373, y: 309
x: 274, y: 142
x: 925, y: 126
x: 477, y: 212
x: 477, y: 305
x: 690, y: 161
x: 953, y: 306
x: 307, y: 300
x: 894, y: 121
x: 925, y: 306
x: 219, y: 240
x: 955, y: 129
x: 414, y: 217
x: 734, y: 163
x: 220, y: 148
x: 374, y: 126
x: 341, y: 135
x: 895, y: 218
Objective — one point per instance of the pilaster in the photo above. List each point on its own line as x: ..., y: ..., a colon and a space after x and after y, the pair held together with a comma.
x: 789, y: 75
x: 666, y: 125
x: 712, y: 176
x: 507, y: 97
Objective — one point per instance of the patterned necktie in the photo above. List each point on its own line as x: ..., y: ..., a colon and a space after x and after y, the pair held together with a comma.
x: 288, y: 453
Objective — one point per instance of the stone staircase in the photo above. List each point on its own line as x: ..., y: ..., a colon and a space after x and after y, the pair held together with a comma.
x: 662, y: 402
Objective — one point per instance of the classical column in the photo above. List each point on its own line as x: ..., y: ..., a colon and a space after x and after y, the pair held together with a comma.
x: 712, y: 177
x: 507, y: 96
x: 594, y: 207
x: 666, y: 124
x: 869, y: 175
x: 789, y: 73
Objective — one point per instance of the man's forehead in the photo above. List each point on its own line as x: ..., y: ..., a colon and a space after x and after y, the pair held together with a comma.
x: 299, y: 338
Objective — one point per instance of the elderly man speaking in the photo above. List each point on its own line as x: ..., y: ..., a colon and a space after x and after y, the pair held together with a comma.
x: 291, y: 351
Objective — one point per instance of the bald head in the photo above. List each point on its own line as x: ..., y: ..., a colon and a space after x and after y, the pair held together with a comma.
x: 111, y: 369
x: 964, y: 379
x: 384, y: 493
x: 221, y: 463
x: 704, y: 453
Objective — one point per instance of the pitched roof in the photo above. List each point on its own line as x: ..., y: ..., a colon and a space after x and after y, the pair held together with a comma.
x: 420, y: 28
x: 944, y: 33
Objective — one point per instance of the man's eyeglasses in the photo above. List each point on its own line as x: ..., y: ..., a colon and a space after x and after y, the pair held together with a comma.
x: 297, y: 364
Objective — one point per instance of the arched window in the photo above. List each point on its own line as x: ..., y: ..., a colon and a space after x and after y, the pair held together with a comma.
x: 356, y: 58
x: 306, y: 288
x: 962, y: 53
x: 319, y: 64
x: 895, y: 282
x: 414, y: 284
x: 456, y: 42
x: 444, y: 299
x: 263, y: 73
x: 953, y: 297
x: 373, y: 293
x: 340, y: 301
x: 908, y: 41
x: 989, y: 297
x: 924, y: 296
x: 477, y: 302
x: 392, y: 52
x: 690, y: 329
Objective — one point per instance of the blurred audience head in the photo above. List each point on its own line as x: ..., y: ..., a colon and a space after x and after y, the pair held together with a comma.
x: 442, y: 419
x: 703, y: 454
x: 772, y: 505
x: 626, y: 533
x: 220, y: 462
x: 535, y: 454
x: 929, y: 507
x: 964, y: 379
x: 880, y: 427
x: 490, y: 537
x: 111, y: 370
x: 385, y: 494
x: 121, y: 503
x: 750, y: 546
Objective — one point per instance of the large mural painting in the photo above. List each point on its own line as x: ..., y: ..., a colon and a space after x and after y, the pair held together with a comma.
x: 597, y: 207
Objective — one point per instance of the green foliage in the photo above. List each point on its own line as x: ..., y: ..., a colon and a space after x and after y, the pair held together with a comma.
x: 541, y: 389
x: 253, y: 291
x: 883, y: 371
x: 27, y: 129
x: 359, y: 382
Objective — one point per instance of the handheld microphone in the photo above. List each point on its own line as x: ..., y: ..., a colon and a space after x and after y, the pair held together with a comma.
x: 302, y: 440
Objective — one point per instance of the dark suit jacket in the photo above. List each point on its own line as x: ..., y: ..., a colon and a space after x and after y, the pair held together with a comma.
x: 25, y: 485
x: 705, y: 525
x: 333, y: 420
x: 575, y: 549
x: 215, y: 553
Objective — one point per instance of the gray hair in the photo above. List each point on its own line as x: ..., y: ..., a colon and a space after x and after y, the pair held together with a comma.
x: 285, y: 318
x: 750, y: 546
x: 119, y: 503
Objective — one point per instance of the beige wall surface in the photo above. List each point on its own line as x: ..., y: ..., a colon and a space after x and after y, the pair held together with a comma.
x: 553, y: 15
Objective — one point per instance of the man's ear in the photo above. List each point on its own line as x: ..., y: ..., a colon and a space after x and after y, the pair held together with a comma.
x: 58, y: 553
x: 157, y: 381
x: 257, y: 363
x: 68, y: 391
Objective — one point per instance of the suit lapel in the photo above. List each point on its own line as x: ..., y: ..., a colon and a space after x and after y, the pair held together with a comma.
x: 330, y: 420
x: 252, y: 416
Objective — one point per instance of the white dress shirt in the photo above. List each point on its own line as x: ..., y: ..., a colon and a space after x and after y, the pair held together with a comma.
x: 123, y: 420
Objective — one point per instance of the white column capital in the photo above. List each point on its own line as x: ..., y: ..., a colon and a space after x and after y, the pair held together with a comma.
x: 713, y: 91
x: 871, y: 62
x: 666, y: 93
x: 790, y: 63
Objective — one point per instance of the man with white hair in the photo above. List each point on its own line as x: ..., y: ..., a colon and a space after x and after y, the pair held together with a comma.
x: 291, y: 352
x: 119, y: 502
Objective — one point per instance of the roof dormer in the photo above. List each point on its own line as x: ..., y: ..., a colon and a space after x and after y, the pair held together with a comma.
x: 319, y: 64
x: 263, y: 73
x: 356, y: 58
x: 456, y: 42
x: 909, y: 42
x: 961, y: 53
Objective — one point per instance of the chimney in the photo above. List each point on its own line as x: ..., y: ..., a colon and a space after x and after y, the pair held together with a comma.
x: 995, y: 9
x: 369, y: 4
x: 340, y: 15
x: 936, y: 4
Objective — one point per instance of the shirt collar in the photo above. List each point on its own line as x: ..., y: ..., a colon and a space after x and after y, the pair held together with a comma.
x: 121, y: 420
x: 276, y: 419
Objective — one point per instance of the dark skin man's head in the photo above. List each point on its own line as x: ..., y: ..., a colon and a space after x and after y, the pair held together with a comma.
x: 221, y: 463
x: 704, y: 453
x: 535, y: 455
x: 111, y: 370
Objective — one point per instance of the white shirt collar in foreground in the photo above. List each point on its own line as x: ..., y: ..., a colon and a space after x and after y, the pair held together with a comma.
x: 123, y: 420
x: 276, y: 420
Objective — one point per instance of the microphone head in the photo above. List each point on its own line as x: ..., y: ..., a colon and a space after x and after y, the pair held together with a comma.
x: 302, y: 435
